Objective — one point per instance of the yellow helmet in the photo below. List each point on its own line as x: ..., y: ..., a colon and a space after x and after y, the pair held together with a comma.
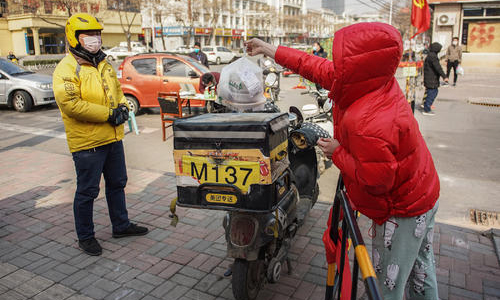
x: 79, y: 22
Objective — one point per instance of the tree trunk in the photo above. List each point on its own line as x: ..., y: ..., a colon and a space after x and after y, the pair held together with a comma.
x: 162, y: 35
x: 190, y: 22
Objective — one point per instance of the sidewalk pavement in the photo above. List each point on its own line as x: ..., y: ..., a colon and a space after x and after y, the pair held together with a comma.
x: 39, y: 258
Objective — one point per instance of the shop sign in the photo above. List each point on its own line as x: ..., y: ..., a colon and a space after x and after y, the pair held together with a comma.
x: 219, y: 31
x: 227, y: 32
x: 250, y: 32
x: 202, y: 31
x: 172, y: 30
x: 237, y: 32
x: 157, y: 31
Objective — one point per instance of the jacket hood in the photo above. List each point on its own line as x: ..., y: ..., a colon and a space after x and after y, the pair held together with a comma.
x: 365, y: 58
x: 435, y: 47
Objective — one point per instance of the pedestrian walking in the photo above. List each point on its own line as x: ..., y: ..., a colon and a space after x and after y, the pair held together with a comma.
x: 453, y: 59
x: 93, y: 109
x: 388, y: 171
x: 199, y: 55
x: 319, y: 51
x: 12, y: 57
x: 432, y: 72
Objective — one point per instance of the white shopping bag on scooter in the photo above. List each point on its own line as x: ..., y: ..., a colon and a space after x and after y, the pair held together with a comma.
x: 241, y: 86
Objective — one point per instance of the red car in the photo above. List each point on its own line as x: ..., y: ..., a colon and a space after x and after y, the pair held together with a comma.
x: 143, y: 76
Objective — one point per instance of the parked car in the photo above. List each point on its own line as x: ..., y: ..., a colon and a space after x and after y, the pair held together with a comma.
x: 183, y: 50
x: 238, y: 53
x: 218, y: 54
x: 23, y: 89
x: 132, y: 44
x: 119, y: 52
x: 143, y: 76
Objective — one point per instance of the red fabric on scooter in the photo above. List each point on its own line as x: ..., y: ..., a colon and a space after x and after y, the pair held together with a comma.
x: 333, y: 256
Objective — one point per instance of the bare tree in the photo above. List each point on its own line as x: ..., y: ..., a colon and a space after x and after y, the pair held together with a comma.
x: 44, y: 8
x: 128, y: 10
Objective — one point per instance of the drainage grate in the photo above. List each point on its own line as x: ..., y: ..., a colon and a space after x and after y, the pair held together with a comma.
x: 483, y: 217
x: 485, y: 101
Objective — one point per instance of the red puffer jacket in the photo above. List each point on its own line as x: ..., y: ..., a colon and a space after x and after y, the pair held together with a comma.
x: 386, y: 166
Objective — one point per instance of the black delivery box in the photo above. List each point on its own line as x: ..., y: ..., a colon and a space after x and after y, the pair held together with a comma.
x: 232, y: 161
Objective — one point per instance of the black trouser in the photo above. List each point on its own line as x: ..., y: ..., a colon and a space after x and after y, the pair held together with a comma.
x: 90, y: 164
x: 454, y: 65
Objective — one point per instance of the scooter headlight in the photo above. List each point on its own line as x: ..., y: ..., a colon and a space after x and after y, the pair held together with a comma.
x: 299, y: 140
x: 271, y: 79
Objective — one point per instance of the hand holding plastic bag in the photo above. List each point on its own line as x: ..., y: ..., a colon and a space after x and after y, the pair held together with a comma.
x: 241, y: 84
x: 460, y: 70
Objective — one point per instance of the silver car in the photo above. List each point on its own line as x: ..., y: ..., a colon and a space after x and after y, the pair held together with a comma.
x: 24, y: 89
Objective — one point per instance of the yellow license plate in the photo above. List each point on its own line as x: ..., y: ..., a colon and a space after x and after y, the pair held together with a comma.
x: 221, y: 198
x: 233, y: 172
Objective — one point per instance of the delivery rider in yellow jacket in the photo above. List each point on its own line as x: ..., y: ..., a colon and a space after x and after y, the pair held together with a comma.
x: 93, y: 109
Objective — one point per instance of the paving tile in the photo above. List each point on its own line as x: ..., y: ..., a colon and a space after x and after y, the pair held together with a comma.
x: 34, y: 286
x: 139, y: 285
x: 192, y: 272
x: 177, y: 292
x: 94, y: 292
x: 161, y: 290
x: 125, y: 294
x: 6, y: 268
x: 199, y: 295
x: 184, y: 280
x: 218, y: 287
x: 13, y: 295
x: 492, y: 291
x: 79, y: 297
x: 55, y: 292
x: 16, y: 278
x: 464, y: 293
x: 106, y: 285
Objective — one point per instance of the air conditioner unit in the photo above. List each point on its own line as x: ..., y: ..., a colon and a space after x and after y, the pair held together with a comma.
x: 446, y: 19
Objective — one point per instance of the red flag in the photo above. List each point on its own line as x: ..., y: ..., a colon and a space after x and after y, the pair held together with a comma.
x: 420, y: 16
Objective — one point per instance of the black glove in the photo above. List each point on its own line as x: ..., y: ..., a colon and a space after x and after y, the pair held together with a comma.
x: 118, y: 115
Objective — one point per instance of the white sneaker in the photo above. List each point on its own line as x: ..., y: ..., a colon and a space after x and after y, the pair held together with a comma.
x: 428, y: 113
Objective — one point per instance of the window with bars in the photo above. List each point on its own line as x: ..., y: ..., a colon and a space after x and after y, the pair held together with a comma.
x: 47, y: 7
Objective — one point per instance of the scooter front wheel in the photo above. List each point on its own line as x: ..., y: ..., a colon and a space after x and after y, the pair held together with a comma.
x: 248, y: 278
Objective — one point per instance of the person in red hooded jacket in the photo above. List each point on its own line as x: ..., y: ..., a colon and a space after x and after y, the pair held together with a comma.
x: 387, y: 169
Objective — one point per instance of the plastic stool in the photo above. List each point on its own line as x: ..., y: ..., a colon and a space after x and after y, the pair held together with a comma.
x: 132, y: 123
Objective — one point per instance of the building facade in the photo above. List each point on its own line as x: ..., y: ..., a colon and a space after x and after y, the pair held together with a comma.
x: 475, y: 23
x: 229, y: 23
x: 36, y: 27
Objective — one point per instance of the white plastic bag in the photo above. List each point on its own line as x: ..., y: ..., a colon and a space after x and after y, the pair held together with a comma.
x: 460, y: 70
x: 241, y: 84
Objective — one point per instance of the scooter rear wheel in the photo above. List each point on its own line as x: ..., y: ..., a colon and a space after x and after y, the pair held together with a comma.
x: 248, y: 278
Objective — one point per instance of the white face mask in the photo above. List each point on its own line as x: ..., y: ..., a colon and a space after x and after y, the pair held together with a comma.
x: 92, y: 43
x: 455, y: 43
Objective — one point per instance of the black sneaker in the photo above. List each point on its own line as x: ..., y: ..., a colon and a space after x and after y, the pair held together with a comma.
x: 90, y: 246
x: 132, y: 230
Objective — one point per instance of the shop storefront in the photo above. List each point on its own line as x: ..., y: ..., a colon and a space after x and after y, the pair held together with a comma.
x: 475, y: 23
x: 202, y: 35
x: 223, y: 37
x: 51, y: 40
x: 237, y: 35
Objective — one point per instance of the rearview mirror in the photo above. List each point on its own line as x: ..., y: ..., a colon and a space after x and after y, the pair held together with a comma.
x: 193, y: 74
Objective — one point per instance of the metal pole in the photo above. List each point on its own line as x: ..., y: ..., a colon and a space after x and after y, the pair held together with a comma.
x: 390, y: 14
x: 153, y: 31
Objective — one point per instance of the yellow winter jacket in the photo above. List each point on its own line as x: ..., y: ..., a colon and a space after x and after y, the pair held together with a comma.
x: 85, y: 95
